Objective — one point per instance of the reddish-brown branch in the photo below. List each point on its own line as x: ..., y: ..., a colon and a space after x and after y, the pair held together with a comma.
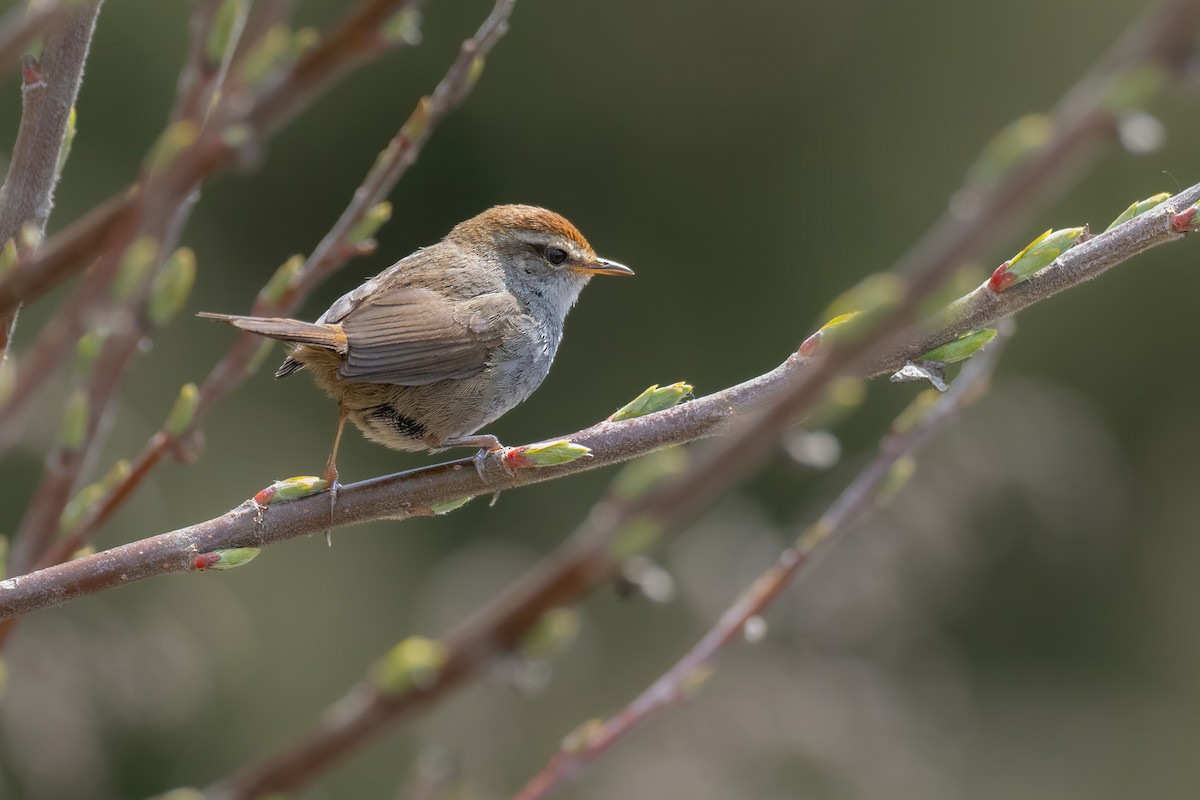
x: 855, y: 502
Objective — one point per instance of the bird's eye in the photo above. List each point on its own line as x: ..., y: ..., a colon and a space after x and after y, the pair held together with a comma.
x: 556, y: 255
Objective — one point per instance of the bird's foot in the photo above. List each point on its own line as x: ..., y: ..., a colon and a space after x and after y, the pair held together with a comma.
x: 331, y: 475
x: 487, y: 445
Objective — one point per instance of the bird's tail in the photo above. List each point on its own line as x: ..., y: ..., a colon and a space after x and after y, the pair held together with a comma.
x: 330, y: 337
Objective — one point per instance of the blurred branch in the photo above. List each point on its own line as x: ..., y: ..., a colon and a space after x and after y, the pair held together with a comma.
x: 202, y: 74
x: 125, y: 326
x: 48, y: 91
x: 121, y: 334
x: 353, y: 42
x: 216, y: 149
x: 857, y: 501
x: 119, y: 224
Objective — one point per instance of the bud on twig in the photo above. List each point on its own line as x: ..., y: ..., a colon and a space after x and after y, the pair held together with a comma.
x: 75, y: 420
x: 136, y: 262
x: 274, y: 289
x: 171, y: 286
x: 64, y: 149
x: 412, y: 663
x: 960, y: 349
x: 290, y: 489
x: 228, y: 558
x: 174, y: 140
x: 403, y: 27
x: 655, y: 398
x: 183, y: 412
x: 226, y: 21
x: 548, y: 454
x: 1138, y: 208
x: 1037, y: 254
x: 370, y: 223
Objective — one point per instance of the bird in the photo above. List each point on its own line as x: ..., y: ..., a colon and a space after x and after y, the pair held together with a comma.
x: 447, y: 339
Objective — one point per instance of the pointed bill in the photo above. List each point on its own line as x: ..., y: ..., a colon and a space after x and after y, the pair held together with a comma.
x: 602, y: 266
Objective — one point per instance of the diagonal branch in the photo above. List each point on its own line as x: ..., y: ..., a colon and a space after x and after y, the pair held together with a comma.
x: 858, y: 500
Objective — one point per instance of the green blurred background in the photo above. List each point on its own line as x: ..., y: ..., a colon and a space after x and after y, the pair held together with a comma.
x: 1020, y: 623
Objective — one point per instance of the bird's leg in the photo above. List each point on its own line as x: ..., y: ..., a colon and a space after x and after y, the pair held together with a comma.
x: 484, y: 441
x: 331, y: 473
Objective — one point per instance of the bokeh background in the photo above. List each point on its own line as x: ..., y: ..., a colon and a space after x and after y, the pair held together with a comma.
x: 1021, y: 622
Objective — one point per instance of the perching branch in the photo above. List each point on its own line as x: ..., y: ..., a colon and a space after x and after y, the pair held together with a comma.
x: 856, y: 502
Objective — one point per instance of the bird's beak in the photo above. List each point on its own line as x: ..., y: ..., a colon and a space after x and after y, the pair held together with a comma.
x: 602, y: 266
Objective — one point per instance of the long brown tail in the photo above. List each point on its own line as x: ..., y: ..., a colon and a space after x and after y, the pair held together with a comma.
x: 286, y: 330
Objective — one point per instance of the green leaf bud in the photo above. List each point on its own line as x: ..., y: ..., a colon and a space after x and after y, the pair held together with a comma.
x: 136, y: 262
x: 548, y: 454
x: 1139, y: 208
x: 655, y: 398
x: 961, y: 348
x: 228, y: 18
x: 274, y: 289
x: 183, y: 412
x: 412, y: 664
x: 171, y: 286
x: 75, y: 420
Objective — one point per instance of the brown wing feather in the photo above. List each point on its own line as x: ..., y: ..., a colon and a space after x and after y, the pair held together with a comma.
x: 412, y: 337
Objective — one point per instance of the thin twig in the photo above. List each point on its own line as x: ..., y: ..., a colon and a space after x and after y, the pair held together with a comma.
x: 855, y: 502
x: 211, y: 153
